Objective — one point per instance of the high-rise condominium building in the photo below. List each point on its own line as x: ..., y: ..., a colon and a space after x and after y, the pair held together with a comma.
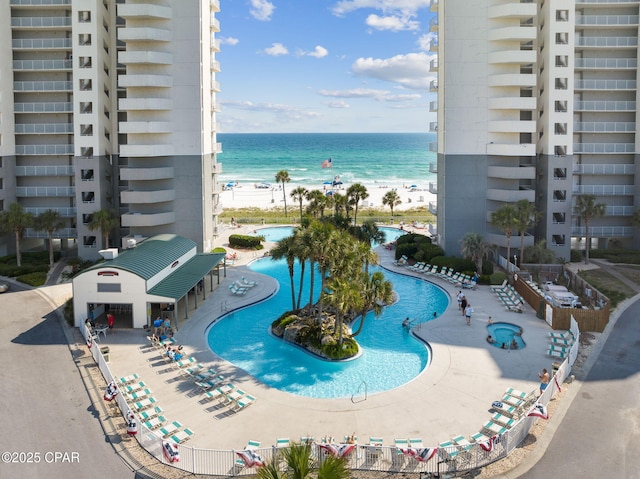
x: 537, y: 101
x: 110, y: 105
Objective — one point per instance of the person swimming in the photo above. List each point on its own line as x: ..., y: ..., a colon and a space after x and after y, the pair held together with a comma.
x: 490, y: 339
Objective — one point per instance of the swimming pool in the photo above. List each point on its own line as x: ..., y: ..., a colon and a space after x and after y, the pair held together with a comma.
x: 390, y: 356
x: 276, y: 233
x: 504, y: 334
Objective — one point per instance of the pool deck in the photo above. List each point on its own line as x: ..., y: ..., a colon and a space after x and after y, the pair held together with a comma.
x: 451, y: 397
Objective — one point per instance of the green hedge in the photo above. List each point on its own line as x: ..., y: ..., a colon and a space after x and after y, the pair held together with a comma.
x: 417, y: 247
x: 498, y: 277
x: 33, y: 279
x: 246, y: 241
x: 458, y: 264
x: 617, y: 255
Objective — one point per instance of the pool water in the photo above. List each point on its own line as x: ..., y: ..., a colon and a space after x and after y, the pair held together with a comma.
x: 390, y: 356
x: 276, y: 233
x: 505, y: 333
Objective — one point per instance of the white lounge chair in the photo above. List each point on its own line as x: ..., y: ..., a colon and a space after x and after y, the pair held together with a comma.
x: 283, y: 442
x: 503, y: 420
x: 145, y: 404
x: 566, y: 335
x: 170, y: 429
x: 132, y: 388
x: 494, y: 429
x: 128, y: 379
x: 238, y: 290
x: 145, y: 415
x: 155, y: 422
x: 136, y: 396
x: 247, y: 457
x: 182, y: 436
x: 243, y: 403
x: 245, y: 282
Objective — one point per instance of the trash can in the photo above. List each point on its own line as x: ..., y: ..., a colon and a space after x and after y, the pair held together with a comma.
x: 105, y: 352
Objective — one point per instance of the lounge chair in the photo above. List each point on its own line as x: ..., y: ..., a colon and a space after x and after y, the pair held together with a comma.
x: 245, y: 282
x: 215, y: 394
x: 243, y: 403
x: 155, y: 422
x: 170, y: 429
x: 417, y: 267
x: 145, y: 415
x: 506, y: 409
x: 240, y: 285
x: 500, y: 287
x: 494, y: 429
x: 233, y: 395
x: 515, y: 393
x: 283, y: 442
x: 135, y: 396
x: 238, y: 290
x: 512, y: 401
x: 553, y: 353
x: 145, y: 404
x: 462, y: 442
x: 503, y: 420
x: 567, y: 335
x: 478, y: 437
x: 561, y: 342
x: 182, y: 436
x: 248, y: 457
x: 416, y: 442
x: 401, y: 443
x: 132, y: 388
x: 128, y: 379
x: 432, y: 270
x: 183, y: 363
x: 448, y: 450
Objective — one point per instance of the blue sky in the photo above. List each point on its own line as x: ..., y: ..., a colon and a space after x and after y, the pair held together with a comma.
x: 292, y: 66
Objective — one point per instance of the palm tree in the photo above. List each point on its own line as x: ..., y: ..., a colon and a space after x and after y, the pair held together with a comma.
x: 343, y: 296
x: 104, y: 220
x: 49, y: 221
x: 15, y: 220
x: 587, y: 209
x: 299, y: 194
x: 317, y: 203
x: 527, y: 216
x: 375, y: 292
x: 391, y: 199
x: 475, y: 248
x: 505, y: 219
x: 356, y: 193
x: 285, y: 248
x: 340, y: 203
x: 333, y: 468
x: 282, y: 176
x: 539, y: 253
x: 299, y: 460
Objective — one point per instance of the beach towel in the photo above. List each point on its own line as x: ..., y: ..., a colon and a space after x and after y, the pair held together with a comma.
x: 539, y: 410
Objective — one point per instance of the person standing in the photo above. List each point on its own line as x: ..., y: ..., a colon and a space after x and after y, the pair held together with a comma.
x: 544, y: 380
x: 467, y: 314
x: 111, y: 321
x: 463, y: 304
x: 167, y: 326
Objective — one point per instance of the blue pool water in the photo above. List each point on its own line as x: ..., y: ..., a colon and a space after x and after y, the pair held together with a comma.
x: 276, y: 233
x: 390, y: 356
x: 505, y: 333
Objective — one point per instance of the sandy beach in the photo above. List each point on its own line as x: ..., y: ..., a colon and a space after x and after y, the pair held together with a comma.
x: 249, y: 196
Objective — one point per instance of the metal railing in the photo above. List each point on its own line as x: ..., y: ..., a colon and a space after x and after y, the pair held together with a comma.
x: 45, y: 170
x: 42, y: 43
x: 40, y: 128
x: 42, y: 86
x: 39, y: 22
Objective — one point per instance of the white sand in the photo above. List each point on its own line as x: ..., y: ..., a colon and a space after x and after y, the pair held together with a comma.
x: 247, y: 196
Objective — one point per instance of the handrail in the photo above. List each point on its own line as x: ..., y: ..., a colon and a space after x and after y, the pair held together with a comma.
x: 363, y: 383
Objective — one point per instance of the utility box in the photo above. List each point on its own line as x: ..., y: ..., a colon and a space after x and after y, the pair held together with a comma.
x: 105, y: 353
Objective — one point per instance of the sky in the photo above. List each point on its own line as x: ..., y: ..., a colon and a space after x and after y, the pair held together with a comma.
x: 324, y: 66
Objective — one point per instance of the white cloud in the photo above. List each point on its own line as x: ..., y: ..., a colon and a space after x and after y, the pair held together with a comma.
x: 276, y: 49
x: 337, y: 104
x: 262, y: 10
x: 410, y: 70
x: 285, y: 112
x: 318, y: 52
x: 229, y: 41
x: 424, y: 42
x: 393, y: 23
x: 355, y: 93
x: 407, y: 7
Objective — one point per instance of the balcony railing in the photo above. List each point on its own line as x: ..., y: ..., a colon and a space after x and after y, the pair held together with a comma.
x: 604, y: 190
x: 61, y: 170
x: 603, y: 231
x: 43, y: 128
x: 433, y: 167
x: 42, y: 86
x: 43, y: 191
x: 613, y: 63
x: 619, y: 211
x: 42, y: 64
x: 604, y: 106
x: 42, y: 43
x: 64, y: 212
x: 433, y: 207
x: 604, y: 127
x: 607, y: 42
x: 31, y: 150
x: 40, y: 22
x: 61, y: 233
x: 433, y: 188
x: 48, y: 107
x: 607, y: 20
x: 605, y: 84
x: 40, y: 2
x: 600, y: 169
x: 604, y: 147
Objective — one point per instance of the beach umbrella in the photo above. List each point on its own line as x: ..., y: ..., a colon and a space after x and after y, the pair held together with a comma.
x: 327, y: 183
x: 329, y: 193
x: 414, y: 186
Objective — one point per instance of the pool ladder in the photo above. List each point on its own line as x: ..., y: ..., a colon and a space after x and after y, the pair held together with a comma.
x: 362, y: 384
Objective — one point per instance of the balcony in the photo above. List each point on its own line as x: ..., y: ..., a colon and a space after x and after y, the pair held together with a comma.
x: 433, y: 65
x: 512, y: 103
x: 64, y: 212
x: 214, y: 5
x: 43, y: 86
x: 518, y: 33
x: 44, y: 191
x: 607, y: 20
x: 48, y: 107
x: 433, y: 45
x: 23, y: 65
x: 42, y: 44
x: 433, y: 106
x: 518, y: 57
x: 142, y: 197
x: 605, y: 85
x: 598, y: 148
x: 619, y: 211
x: 145, y: 127
x: 433, y: 126
x: 43, y: 128
x: 433, y: 6
x: 501, y: 240
x: 605, y: 63
x: 42, y: 150
x: 433, y: 86
x: 513, y: 10
x: 604, y: 190
x: 145, y: 57
x: 605, y: 127
x: 604, y: 106
x: 512, y: 172
x: 607, y: 42
x: 143, y: 104
x: 144, y: 11
x: 514, y: 126
x: 433, y: 167
x: 61, y: 170
x: 145, y: 81
x: 215, y: 24
x: 603, y: 231
x: 602, y: 169
x: 61, y: 233
x: 512, y: 79
x: 148, y: 219
x: 147, y: 174
x: 433, y: 188
x: 39, y: 3
x: 131, y: 34
x: 40, y: 22
x: 510, y: 196
x: 433, y: 24
x: 216, y: 167
x: 215, y: 66
x: 146, y: 150
x: 508, y: 149
x: 433, y: 147
x: 433, y: 207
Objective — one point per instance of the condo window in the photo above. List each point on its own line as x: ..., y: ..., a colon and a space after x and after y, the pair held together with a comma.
x: 562, y: 38
x: 87, y: 175
x: 84, y: 16
x: 109, y: 288
x: 562, y: 83
x: 87, y: 218
x: 558, y: 240
x: 561, y: 128
x: 89, y: 241
x: 559, y: 195
x: 86, y: 130
x: 560, y: 150
x: 559, y: 173
x: 562, y: 15
x: 85, y: 39
x: 561, y: 106
x: 85, y: 62
x: 86, y: 84
x: 86, y: 107
x: 562, y: 60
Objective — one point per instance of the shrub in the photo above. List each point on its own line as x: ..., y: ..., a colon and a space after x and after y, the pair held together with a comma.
x: 246, y: 241
x: 33, y: 279
x: 576, y: 256
x: 219, y: 249
x: 498, y: 277
x: 487, y: 268
x: 348, y: 349
x: 458, y: 264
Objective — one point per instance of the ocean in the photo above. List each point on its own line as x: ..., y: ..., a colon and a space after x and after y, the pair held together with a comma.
x: 380, y: 160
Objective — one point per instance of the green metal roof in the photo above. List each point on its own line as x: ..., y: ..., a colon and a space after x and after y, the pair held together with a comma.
x: 186, y: 276
x: 150, y: 256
